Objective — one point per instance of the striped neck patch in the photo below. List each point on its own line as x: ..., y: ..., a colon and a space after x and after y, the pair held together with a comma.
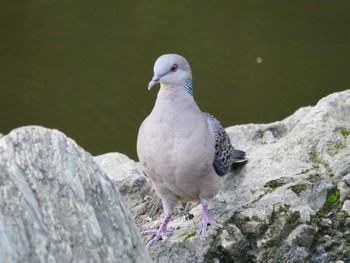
x: 188, y: 87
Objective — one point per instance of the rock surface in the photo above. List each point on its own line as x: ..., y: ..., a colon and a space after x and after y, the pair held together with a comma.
x: 290, y: 203
x: 56, y: 204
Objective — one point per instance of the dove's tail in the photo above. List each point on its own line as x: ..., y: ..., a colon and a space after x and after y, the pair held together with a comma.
x: 239, y: 159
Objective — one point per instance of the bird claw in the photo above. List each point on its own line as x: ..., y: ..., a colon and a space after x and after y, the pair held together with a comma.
x: 159, y: 234
x: 202, y: 232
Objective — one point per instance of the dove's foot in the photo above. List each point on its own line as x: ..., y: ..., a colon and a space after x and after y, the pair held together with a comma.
x: 161, y: 233
x: 206, y: 221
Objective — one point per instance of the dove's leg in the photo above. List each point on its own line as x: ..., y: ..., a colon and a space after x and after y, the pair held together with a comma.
x: 206, y: 220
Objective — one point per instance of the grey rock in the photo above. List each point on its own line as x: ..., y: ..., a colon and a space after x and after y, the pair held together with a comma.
x: 344, y: 187
x: 282, y: 205
x: 58, y: 206
x: 268, y: 137
x: 346, y: 207
x: 127, y: 175
x: 302, y: 236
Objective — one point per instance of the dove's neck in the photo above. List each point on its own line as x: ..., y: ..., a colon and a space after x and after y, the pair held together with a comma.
x: 188, y: 86
x: 175, y: 99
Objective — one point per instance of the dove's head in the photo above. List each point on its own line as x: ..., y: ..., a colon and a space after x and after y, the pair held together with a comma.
x: 171, y: 70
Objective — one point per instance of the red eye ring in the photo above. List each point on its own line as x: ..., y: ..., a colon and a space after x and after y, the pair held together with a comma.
x: 173, y: 68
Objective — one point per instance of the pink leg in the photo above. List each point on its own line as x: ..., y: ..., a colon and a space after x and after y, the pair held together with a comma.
x: 206, y: 221
x: 161, y: 233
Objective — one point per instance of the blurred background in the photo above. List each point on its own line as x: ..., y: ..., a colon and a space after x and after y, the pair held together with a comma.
x: 83, y: 66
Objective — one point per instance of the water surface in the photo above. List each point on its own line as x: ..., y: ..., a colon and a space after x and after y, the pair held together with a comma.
x: 83, y: 67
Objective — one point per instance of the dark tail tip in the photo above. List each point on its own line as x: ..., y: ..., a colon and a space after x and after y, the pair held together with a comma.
x: 239, y: 159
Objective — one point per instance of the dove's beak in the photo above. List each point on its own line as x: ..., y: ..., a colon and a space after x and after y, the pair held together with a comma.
x: 155, y: 80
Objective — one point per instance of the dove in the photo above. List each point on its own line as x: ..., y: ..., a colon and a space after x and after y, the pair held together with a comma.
x: 183, y: 151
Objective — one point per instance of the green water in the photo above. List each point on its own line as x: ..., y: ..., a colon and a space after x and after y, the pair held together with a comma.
x: 83, y: 66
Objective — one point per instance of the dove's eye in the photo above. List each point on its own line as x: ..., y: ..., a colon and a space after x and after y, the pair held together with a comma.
x: 173, y: 68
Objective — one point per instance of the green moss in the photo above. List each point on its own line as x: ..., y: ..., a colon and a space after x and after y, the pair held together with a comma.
x: 341, y: 215
x: 317, y: 162
x: 188, y: 234
x: 332, y: 198
x: 339, y: 145
x: 314, y: 177
x: 298, y: 188
x: 334, y: 149
x: 259, y: 197
x: 329, y: 170
x: 273, y: 184
x: 319, y: 214
x: 314, y: 158
x: 305, y: 171
x: 345, y: 132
